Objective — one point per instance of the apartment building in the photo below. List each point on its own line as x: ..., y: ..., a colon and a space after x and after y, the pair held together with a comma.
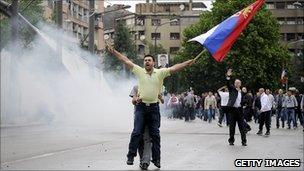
x: 75, y: 14
x: 160, y: 23
x: 290, y: 15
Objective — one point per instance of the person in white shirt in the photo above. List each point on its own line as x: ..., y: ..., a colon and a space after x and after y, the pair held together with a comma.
x: 224, y: 94
x: 272, y: 101
x: 265, y: 113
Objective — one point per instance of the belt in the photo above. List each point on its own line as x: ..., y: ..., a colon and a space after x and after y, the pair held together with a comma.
x: 149, y: 104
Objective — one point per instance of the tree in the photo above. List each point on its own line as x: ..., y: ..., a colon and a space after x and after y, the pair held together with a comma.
x: 34, y: 13
x: 159, y: 50
x: 123, y: 43
x: 256, y: 57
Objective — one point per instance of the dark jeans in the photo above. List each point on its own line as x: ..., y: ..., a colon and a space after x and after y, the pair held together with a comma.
x: 280, y: 115
x: 248, y: 113
x: 224, y: 112
x: 265, y: 118
x: 236, y: 116
x: 150, y: 116
x: 298, y: 114
x: 290, y: 114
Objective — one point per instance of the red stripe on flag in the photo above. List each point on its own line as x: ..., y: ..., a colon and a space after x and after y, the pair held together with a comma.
x: 242, y: 23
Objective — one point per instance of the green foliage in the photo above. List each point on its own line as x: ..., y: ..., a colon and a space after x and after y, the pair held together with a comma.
x: 256, y: 57
x: 123, y: 43
x: 159, y: 50
x: 34, y: 13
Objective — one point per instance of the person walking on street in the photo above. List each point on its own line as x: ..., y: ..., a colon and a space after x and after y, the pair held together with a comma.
x: 290, y: 103
x: 224, y: 94
x: 265, y: 113
x: 210, y: 105
x: 279, y: 112
x: 235, y: 109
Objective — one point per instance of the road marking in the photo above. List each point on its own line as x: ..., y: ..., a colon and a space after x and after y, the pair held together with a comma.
x: 53, y: 153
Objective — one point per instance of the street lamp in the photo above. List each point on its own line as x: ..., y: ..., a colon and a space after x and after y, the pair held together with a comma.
x: 174, y: 20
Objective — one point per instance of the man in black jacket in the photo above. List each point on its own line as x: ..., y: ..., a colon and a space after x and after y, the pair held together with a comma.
x: 235, y: 109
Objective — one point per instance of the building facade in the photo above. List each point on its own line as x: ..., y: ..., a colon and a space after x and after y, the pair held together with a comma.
x: 160, y: 23
x: 290, y: 15
x: 75, y: 16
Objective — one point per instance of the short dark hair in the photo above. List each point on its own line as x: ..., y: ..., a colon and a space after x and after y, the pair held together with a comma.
x: 148, y: 55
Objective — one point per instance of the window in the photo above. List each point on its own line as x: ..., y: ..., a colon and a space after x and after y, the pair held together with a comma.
x: 281, y: 20
x: 167, y: 8
x: 290, y: 36
x: 174, y: 50
x: 270, y: 6
x: 174, y: 36
x: 175, y: 23
x: 155, y: 22
x: 300, y: 20
x: 290, y: 5
x: 140, y: 21
x: 280, y: 5
x: 153, y: 35
x: 291, y: 21
x: 141, y: 33
x: 300, y: 36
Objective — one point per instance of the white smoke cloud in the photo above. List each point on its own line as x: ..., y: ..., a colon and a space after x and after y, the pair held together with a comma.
x: 39, y: 88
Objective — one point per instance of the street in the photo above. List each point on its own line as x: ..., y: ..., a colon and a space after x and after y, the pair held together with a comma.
x: 185, y: 146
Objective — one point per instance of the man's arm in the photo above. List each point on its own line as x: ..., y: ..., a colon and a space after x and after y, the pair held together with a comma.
x: 177, y: 67
x: 220, y: 89
x: 121, y: 57
x: 228, y: 80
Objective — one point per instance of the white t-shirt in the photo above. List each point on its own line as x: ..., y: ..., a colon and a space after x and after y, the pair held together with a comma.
x: 238, y: 100
x: 265, y: 103
x: 224, y: 97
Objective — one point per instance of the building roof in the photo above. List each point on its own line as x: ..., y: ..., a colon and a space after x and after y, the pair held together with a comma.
x: 111, y: 13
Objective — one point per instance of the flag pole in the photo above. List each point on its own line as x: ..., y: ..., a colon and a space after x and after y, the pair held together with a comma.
x: 199, y: 55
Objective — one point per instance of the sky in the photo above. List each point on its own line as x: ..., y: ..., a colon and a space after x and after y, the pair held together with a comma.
x: 133, y: 2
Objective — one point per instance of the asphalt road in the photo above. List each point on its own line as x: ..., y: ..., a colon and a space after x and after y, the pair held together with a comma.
x: 185, y: 146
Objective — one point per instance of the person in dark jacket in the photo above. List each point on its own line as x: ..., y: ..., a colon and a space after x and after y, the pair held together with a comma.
x: 235, y: 109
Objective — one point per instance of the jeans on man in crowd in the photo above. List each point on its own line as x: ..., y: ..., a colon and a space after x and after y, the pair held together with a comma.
x: 290, y: 113
x: 280, y: 115
x: 223, y: 113
x: 150, y: 116
x: 265, y: 118
x: 211, y: 113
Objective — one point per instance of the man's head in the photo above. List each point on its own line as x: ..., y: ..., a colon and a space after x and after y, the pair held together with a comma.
x: 289, y: 92
x: 226, y: 89
x: 261, y: 90
x: 280, y: 91
x: 244, y: 90
x: 268, y: 91
x: 149, y: 62
x: 162, y: 61
x: 210, y: 93
x: 237, y: 83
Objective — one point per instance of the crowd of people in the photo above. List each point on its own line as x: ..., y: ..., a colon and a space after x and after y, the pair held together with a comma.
x: 287, y: 108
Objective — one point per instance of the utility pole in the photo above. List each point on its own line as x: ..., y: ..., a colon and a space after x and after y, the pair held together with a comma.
x: 91, y: 25
x: 58, y: 9
x: 14, y: 20
x: 58, y: 5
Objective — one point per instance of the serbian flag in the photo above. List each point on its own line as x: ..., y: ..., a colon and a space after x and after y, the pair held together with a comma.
x: 284, y: 77
x: 219, y: 40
